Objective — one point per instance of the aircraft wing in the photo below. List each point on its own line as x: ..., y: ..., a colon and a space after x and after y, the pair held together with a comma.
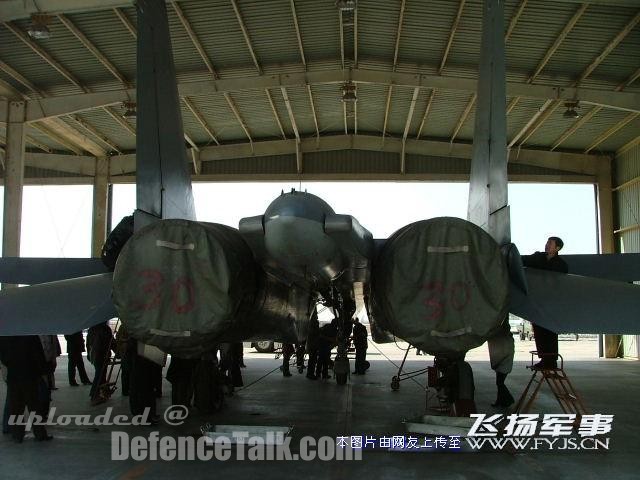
x: 624, y: 267
x: 30, y: 271
x: 65, y: 306
x: 576, y: 304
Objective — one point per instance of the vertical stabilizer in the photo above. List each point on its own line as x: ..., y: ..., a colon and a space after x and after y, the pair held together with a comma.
x: 488, y: 203
x: 162, y: 171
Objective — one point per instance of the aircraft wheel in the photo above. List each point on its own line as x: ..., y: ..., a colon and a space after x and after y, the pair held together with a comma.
x: 341, y: 378
x: 264, y: 346
x: 395, y: 384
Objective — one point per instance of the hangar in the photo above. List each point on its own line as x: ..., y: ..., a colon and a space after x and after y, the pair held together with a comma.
x: 325, y: 91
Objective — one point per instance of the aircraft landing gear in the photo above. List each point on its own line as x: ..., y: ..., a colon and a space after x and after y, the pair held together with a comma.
x: 401, y: 376
x: 341, y: 368
x: 452, y: 379
x: 454, y: 383
x: 343, y: 310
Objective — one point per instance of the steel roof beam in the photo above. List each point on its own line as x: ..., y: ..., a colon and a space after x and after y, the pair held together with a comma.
x: 245, y: 33
x: 355, y: 38
x: 92, y: 130
x: 628, y: 146
x: 606, y: 134
x: 275, y: 112
x: 59, y: 129
x: 407, y: 125
x: 452, y: 34
x: 558, y: 41
x: 17, y: 9
x: 198, y: 116
x: 20, y: 79
x: 52, y: 131
x: 514, y: 20
x: 236, y: 113
x: 194, y: 39
x: 570, y: 162
x: 589, y: 115
x: 396, y: 51
x: 44, y: 55
x: 304, y: 62
x: 609, y: 48
x: 93, y: 49
x: 120, y: 121
x: 126, y: 22
x: 426, y: 113
x: 532, y: 127
x: 341, y: 38
x: 463, y: 117
x: 547, y: 56
x: 313, y: 110
x: 64, y: 105
x: 574, y: 128
x: 298, y: 35
x: 205, y: 58
x: 467, y: 110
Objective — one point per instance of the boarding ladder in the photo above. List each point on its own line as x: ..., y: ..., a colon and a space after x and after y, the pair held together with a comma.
x: 560, y: 386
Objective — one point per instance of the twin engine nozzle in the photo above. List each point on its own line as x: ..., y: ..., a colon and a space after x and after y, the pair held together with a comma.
x: 183, y: 286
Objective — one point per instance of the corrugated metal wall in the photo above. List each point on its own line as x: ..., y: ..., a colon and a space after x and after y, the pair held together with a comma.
x: 627, y: 168
x: 354, y: 162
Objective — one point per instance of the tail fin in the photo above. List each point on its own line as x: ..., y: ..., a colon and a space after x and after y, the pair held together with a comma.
x: 162, y: 173
x: 488, y: 183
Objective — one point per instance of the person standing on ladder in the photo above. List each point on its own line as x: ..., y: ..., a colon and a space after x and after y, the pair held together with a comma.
x: 546, y: 340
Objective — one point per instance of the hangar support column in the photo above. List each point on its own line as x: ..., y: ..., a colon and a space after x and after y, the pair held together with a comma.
x: 605, y: 206
x: 13, y: 179
x: 605, y: 215
x: 100, y: 200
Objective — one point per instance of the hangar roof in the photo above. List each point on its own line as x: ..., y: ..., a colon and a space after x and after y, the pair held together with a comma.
x: 265, y: 73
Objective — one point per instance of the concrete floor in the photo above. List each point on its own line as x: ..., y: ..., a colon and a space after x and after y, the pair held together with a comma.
x: 366, y: 406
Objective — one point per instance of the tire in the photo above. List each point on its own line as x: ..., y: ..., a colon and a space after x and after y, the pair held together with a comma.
x: 265, y: 346
x: 465, y: 387
x: 395, y: 384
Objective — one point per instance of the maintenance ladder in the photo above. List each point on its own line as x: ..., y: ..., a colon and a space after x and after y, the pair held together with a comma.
x: 560, y: 386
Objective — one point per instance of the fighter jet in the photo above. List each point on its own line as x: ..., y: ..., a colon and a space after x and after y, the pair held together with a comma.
x: 444, y: 285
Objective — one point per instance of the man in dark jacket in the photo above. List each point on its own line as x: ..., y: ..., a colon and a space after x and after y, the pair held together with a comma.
x: 99, y: 343
x: 313, y: 339
x: 180, y: 374
x: 75, y: 347
x: 143, y: 381
x: 546, y: 340
x: 26, y: 366
x: 288, y: 350
x: 360, y: 343
x: 327, y: 339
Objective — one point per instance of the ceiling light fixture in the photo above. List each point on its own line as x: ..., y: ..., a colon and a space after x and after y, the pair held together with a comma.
x: 346, y: 5
x: 571, y: 111
x: 349, y: 93
x: 38, y: 30
x: 129, y: 110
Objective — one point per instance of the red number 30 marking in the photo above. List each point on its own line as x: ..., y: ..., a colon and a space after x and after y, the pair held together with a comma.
x: 153, y: 290
x: 186, y: 284
x: 458, y: 295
